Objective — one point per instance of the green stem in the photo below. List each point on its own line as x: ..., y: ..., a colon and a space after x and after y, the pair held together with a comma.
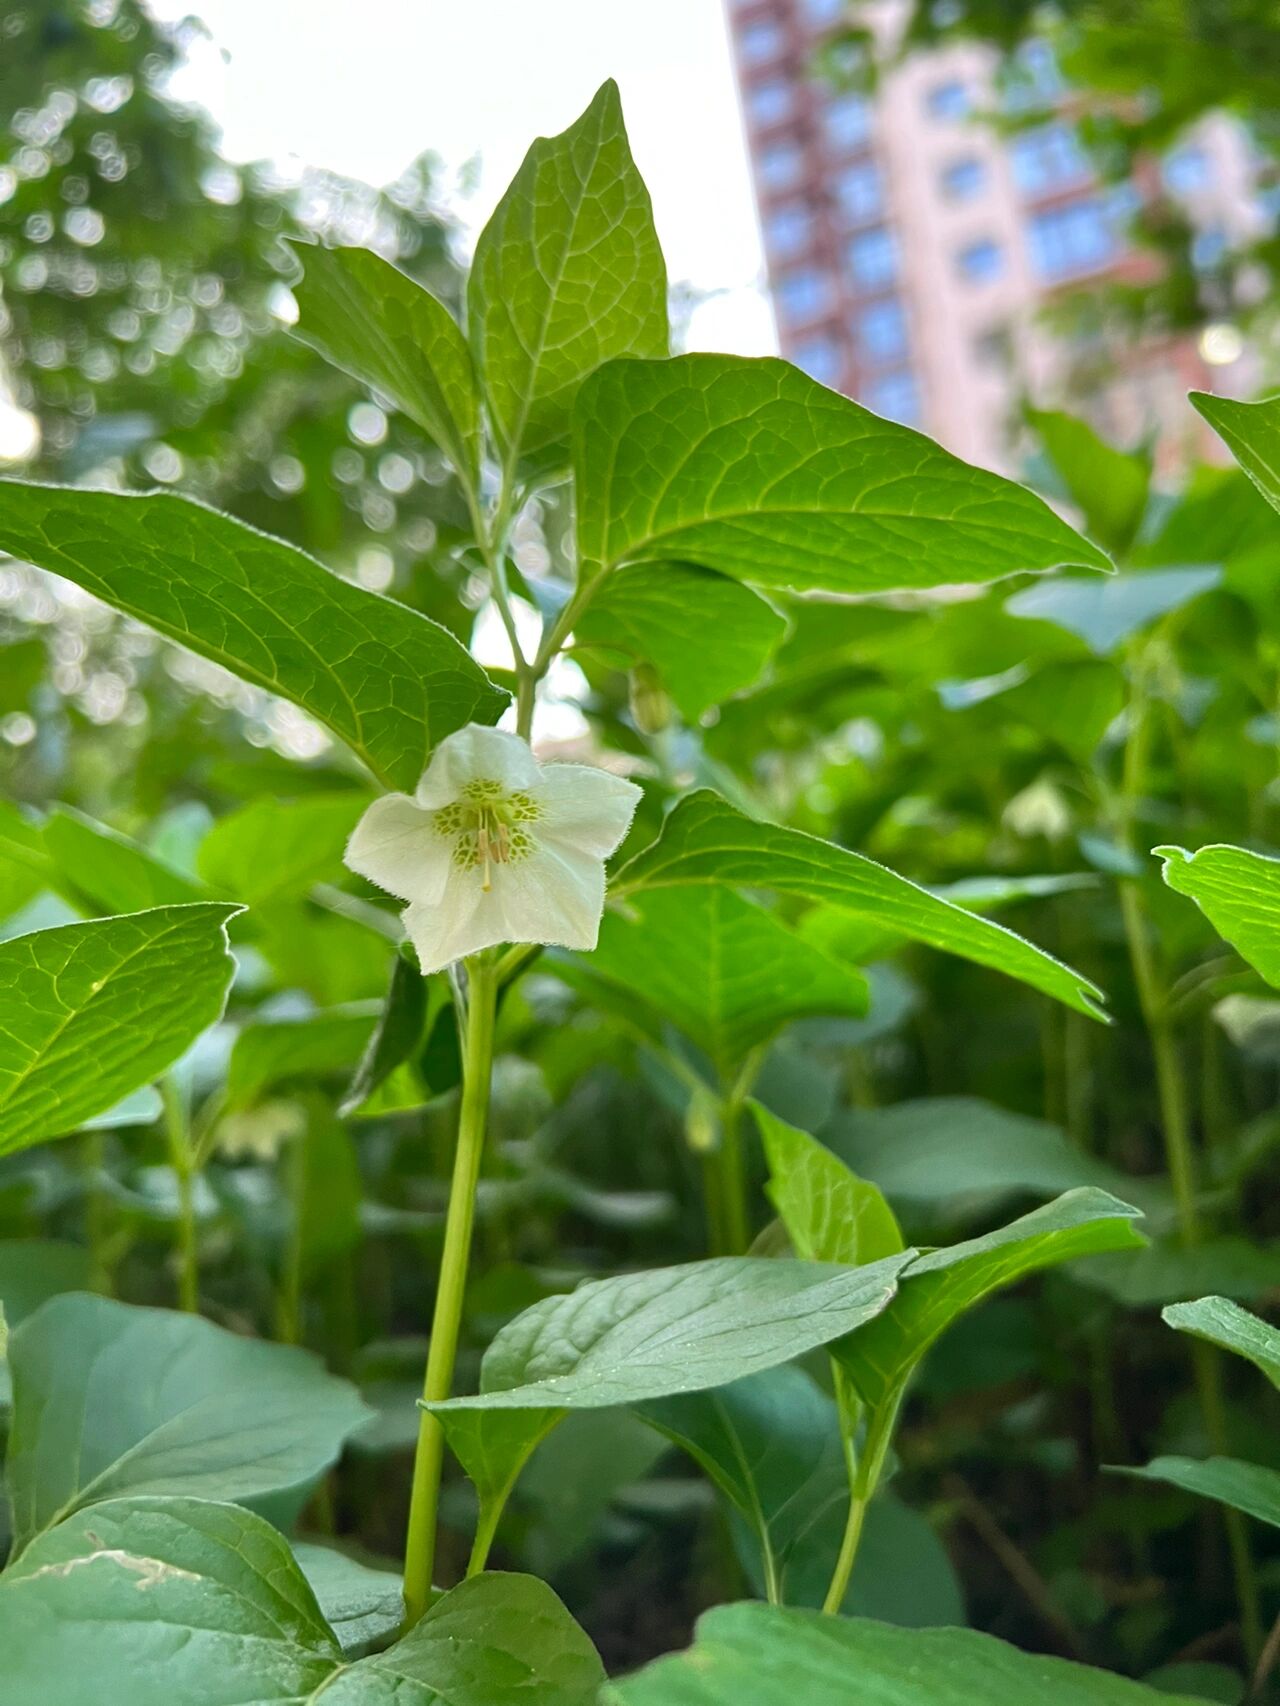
x: 420, y: 1544
x: 182, y: 1160
x: 289, y: 1291
x: 864, y: 1477
x: 730, y: 1159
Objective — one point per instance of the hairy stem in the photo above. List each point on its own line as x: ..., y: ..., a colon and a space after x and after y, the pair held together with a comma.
x: 420, y: 1547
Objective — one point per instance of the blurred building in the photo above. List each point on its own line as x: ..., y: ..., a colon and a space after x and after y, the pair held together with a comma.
x: 911, y: 247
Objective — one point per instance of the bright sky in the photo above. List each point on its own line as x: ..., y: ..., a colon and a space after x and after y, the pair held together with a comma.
x: 363, y: 86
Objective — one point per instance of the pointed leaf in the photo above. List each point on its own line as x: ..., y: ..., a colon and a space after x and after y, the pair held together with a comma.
x: 771, y: 1657
x: 361, y: 1605
x: 567, y: 273
x: 384, y: 679
x: 279, y: 849
x: 1104, y: 613
x: 831, y: 1215
x: 704, y: 840
x: 399, y: 1032
x: 366, y: 317
x: 95, y: 1011
x: 111, y: 1399
x: 662, y: 613
x: 683, y: 1329
x: 941, y: 1285
x: 750, y: 467
x: 1110, y: 486
x: 111, y: 871
x: 1246, y: 1487
x: 725, y: 971
x: 1251, y: 431
x: 1224, y: 1323
x: 1239, y: 893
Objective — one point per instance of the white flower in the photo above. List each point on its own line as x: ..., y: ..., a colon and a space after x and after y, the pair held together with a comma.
x: 495, y: 847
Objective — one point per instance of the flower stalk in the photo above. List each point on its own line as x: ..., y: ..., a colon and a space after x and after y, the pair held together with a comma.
x: 477, y: 1071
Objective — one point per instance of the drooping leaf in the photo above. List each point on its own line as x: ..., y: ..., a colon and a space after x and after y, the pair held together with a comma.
x: 747, y: 466
x: 110, y: 1399
x: 706, y: 635
x: 772, y: 1657
x: 1247, y: 1487
x: 111, y: 871
x: 952, y: 1154
x: 1224, y: 1323
x: 1104, y: 613
x: 831, y: 1215
x: 383, y: 678
x: 1109, y: 486
x: 278, y: 850
x: 647, y: 1335
x: 1251, y: 431
x: 162, y: 1600
x: 938, y: 1287
x: 1238, y: 892
x: 95, y: 1011
x: 567, y: 273
x: 704, y: 840
x: 728, y: 973
x: 366, y: 317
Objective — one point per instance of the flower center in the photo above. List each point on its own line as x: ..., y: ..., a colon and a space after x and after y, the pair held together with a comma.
x: 487, y: 827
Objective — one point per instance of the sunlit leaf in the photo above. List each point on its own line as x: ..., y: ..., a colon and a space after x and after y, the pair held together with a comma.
x: 1251, y: 431
x: 279, y: 849
x: 1109, y: 486
x: 1105, y: 613
x: 1238, y: 892
x: 830, y: 1214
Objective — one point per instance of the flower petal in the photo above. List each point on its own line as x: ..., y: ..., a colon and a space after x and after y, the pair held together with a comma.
x: 452, y: 928
x: 477, y: 754
x: 585, y: 808
x: 397, y: 847
x: 555, y: 895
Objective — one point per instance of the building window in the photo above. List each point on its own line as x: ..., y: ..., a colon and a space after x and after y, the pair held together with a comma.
x: 822, y: 12
x: 873, y: 258
x: 881, y: 331
x: 1047, y: 158
x: 964, y: 179
x: 949, y: 100
x: 896, y: 396
x: 981, y: 262
x: 1066, y: 241
x: 1187, y: 170
x: 769, y: 102
x: 761, y: 41
x: 1036, y: 68
x: 847, y: 121
x: 790, y: 229
x: 781, y: 163
x: 860, y: 192
x: 821, y: 359
x: 803, y: 295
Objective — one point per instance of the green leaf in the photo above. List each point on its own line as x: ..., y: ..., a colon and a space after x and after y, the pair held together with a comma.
x: 704, y: 840
x: 1172, y: 1272
x: 287, y: 1051
x: 1239, y: 893
x: 725, y: 971
x: 493, y: 1447
x: 663, y: 613
x: 402, y: 1025
x: 567, y: 273
x: 361, y: 1605
x: 770, y: 1657
x: 1105, y: 613
x: 1109, y: 486
x: 32, y: 1270
x: 1224, y: 1323
x: 109, y: 869
x: 750, y: 467
x: 366, y: 317
x: 683, y: 1329
x: 277, y: 849
x: 158, y: 1601
x: 1072, y: 704
x: 831, y: 1215
x: 956, y: 1154
x: 1246, y: 1487
x: 384, y: 679
x: 110, y: 1400
x: 95, y: 1011
x: 939, y: 1286
x: 1251, y: 432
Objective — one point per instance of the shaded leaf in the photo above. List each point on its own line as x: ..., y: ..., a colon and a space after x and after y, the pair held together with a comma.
x: 1109, y: 486
x: 1104, y: 613
x: 110, y: 1399
x: 1246, y: 1487
x: 831, y: 1215
x: 95, y: 1011
x: 273, y: 1052
x: 398, y: 1033
x: 109, y: 869
x: 1224, y: 1323
x: 567, y: 273
x: 360, y: 1604
x: 747, y: 466
x: 279, y: 849
x: 704, y: 840
x: 383, y: 678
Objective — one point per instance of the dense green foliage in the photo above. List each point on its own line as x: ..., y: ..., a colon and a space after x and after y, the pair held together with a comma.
x: 869, y: 1229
